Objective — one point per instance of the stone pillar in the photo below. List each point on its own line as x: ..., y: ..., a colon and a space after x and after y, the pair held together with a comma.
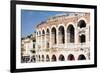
x: 40, y: 41
x: 36, y: 40
x: 87, y: 34
x: 65, y: 37
x: 45, y: 40
x: 50, y: 38
x: 36, y: 43
x: 76, y: 36
x: 57, y: 36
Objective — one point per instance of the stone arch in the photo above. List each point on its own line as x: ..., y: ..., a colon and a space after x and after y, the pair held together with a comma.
x: 53, y: 58
x: 43, y: 38
x: 53, y: 34
x: 39, y: 33
x: 81, y: 57
x: 47, y: 37
x: 43, y: 32
x: 61, y: 58
x: 61, y: 35
x: 82, y: 38
x: 70, y: 34
x: 47, y: 58
x: 71, y: 57
x: 81, y: 24
x: 42, y: 57
x: 47, y: 31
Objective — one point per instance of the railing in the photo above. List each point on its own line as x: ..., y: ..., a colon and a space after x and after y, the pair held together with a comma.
x: 81, y: 45
x: 66, y: 47
x: 69, y: 47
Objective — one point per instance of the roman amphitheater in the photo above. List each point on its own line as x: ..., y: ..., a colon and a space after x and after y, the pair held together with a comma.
x: 63, y: 37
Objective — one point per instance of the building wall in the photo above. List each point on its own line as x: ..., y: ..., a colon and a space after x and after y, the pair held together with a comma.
x: 27, y: 50
x: 64, y: 48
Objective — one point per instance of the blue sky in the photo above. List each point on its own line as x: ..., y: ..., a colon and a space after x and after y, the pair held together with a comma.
x: 30, y: 19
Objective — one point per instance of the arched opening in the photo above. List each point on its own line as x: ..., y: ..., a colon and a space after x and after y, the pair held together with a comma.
x: 61, y: 35
x: 47, y: 31
x: 70, y: 34
x: 47, y: 58
x: 43, y: 32
x: 39, y: 58
x: 70, y: 57
x: 42, y: 57
x: 47, y: 38
x: 43, y: 38
x: 39, y: 33
x: 81, y: 57
x: 53, y: 35
x: 61, y: 58
x: 54, y: 58
x: 48, y: 44
x: 39, y: 38
x: 82, y: 38
x: 81, y: 24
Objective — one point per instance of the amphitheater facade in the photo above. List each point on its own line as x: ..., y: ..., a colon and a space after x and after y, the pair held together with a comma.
x: 63, y: 37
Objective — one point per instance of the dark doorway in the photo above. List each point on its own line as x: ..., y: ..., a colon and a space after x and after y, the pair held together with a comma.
x: 71, y: 57
x: 53, y: 35
x: 82, y: 38
x: 53, y: 58
x: 61, y: 35
x: 81, y: 57
x: 81, y: 24
x: 61, y: 58
x: 70, y: 34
